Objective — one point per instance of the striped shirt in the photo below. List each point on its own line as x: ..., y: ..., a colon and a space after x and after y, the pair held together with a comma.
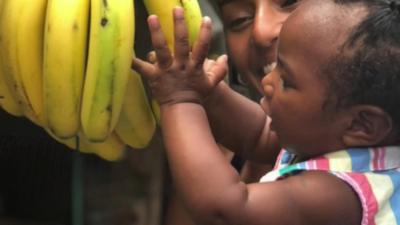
x: 373, y: 173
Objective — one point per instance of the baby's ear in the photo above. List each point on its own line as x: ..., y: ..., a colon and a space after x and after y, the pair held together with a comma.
x: 369, y: 126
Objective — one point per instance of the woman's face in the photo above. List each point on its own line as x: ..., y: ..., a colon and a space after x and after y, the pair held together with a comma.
x: 252, y: 28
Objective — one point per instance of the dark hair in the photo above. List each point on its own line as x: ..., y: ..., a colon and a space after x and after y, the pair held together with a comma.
x: 370, y: 74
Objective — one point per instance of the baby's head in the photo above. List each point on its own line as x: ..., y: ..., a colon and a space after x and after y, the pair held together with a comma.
x: 337, y: 83
x: 367, y: 69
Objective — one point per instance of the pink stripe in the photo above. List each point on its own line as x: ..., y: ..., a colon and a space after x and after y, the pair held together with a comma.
x: 363, y: 188
x: 322, y: 163
x: 318, y: 163
x: 278, y: 159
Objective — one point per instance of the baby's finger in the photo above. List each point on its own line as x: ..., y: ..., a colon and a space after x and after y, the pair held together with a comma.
x: 219, y: 70
x: 160, y: 45
x: 144, y: 68
x: 200, y: 48
x: 151, y: 57
x: 182, y: 48
x: 208, y: 64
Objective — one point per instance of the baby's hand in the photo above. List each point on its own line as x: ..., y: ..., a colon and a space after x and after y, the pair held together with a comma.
x: 183, y: 76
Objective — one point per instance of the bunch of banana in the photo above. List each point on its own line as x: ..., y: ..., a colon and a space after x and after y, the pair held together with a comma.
x: 65, y: 65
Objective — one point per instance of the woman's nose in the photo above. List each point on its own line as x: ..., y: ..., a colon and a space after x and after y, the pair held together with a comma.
x: 267, y: 25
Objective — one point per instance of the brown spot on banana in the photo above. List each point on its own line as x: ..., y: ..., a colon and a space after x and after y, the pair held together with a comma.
x: 75, y: 26
x: 109, y: 108
x: 104, y: 21
x: 105, y: 3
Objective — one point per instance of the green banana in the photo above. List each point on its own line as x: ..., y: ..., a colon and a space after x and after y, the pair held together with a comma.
x: 193, y: 17
x: 64, y: 67
x: 21, y: 34
x: 136, y: 125
x: 110, y: 54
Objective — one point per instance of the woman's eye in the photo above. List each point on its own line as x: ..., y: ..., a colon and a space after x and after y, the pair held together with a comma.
x: 288, y: 3
x: 239, y: 23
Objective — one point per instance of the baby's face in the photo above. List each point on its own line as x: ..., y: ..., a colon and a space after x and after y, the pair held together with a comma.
x: 295, y: 91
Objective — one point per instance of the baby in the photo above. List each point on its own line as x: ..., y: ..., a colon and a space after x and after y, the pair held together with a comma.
x: 332, y: 101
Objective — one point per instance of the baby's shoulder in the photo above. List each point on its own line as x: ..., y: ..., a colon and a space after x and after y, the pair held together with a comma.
x: 323, y: 197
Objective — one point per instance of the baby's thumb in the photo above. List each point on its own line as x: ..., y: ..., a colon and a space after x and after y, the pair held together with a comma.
x: 219, y: 70
x: 144, y: 68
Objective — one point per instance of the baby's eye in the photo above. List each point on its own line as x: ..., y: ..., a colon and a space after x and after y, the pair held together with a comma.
x: 288, y: 3
x: 283, y: 83
x: 239, y: 23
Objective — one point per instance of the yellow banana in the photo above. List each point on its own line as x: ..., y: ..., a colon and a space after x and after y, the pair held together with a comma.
x: 110, y: 54
x: 156, y: 110
x: 65, y: 47
x: 193, y: 18
x: 111, y: 149
x: 69, y: 142
x: 21, y: 45
x: 136, y: 125
x: 164, y: 14
x: 7, y: 101
x: 163, y: 11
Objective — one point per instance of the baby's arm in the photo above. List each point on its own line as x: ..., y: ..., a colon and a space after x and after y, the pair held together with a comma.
x: 241, y: 125
x: 209, y: 186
